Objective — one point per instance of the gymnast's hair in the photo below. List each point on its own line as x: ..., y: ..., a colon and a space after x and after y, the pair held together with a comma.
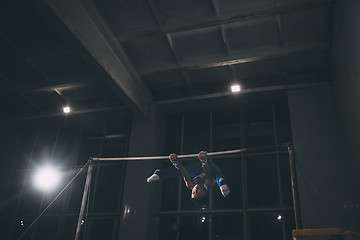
x: 199, y: 201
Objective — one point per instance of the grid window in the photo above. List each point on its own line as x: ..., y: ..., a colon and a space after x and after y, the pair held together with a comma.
x: 65, y: 147
x: 194, y: 227
x: 91, y: 141
x: 259, y: 129
x: 255, y: 178
x: 265, y: 226
x: 44, y: 147
x: 47, y: 228
x: 226, y: 130
x: 107, y: 190
x: 26, y: 150
x: 262, y: 188
x: 169, y: 227
x: 62, y: 148
x: 196, y: 133
x: 14, y: 193
x: 102, y: 228
x: 19, y: 226
x: 231, y: 167
x: 227, y: 227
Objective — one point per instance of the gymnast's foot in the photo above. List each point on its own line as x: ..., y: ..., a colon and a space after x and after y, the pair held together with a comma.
x: 153, y: 177
x: 225, y: 190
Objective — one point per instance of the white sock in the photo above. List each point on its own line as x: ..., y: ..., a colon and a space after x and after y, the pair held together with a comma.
x: 225, y: 190
x: 153, y: 178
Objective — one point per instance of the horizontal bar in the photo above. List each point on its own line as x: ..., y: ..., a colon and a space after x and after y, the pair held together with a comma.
x: 189, y: 156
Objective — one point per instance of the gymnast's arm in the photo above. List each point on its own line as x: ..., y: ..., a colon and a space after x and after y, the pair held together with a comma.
x: 209, y: 179
x: 186, y: 176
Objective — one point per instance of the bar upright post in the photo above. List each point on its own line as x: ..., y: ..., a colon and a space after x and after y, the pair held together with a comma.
x: 83, y: 203
x: 294, y: 189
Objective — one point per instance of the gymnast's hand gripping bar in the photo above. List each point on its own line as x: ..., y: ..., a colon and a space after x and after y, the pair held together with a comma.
x: 188, y: 156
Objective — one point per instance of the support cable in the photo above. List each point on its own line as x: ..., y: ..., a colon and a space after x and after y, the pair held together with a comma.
x: 53, y: 200
x: 312, y: 199
x: 312, y: 184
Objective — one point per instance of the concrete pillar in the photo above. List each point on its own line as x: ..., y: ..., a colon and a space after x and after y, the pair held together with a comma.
x: 142, y: 200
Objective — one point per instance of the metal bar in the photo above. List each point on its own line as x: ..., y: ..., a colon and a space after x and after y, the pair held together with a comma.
x: 243, y: 172
x: 294, y: 189
x: 83, y: 203
x: 189, y: 156
x: 283, y: 229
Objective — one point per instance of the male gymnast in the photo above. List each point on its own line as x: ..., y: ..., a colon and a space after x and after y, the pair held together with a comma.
x: 200, y: 178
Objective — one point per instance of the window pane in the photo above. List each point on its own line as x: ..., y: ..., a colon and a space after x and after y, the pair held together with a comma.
x: 289, y: 219
x: 46, y: 228
x: 196, y: 133
x: 64, y: 152
x: 90, y: 142
x: 114, y: 147
x: 286, y: 179
x: 262, y: 183
x: 13, y: 194
x: 168, y: 228
x: 31, y: 196
x: 25, y: 151
x: 194, y: 228
x: 283, y: 127
x: 259, y: 130
x: 49, y: 196
x: 44, y: 147
x: 173, y: 135
x: 228, y: 227
x: 170, y: 190
x: 226, y: 130
x: 77, y: 190
x: 101, y: 229
x: 231, y: 168
x: 265, y: 226
x: 19, y: 227
x: 5, y: 226
x: 70, y: 228
x: 109, y: 182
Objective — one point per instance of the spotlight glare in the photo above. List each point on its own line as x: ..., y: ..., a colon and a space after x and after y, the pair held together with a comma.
x: 279, y: 217
x: 235, y: 88
x: 66, y: 109
x: 46, y: 178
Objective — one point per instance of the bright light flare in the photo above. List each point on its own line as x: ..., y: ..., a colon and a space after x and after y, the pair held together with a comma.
x: 279, y: 217
x: 46, y: 178
x: 66, y: 109
x: 235, y: 88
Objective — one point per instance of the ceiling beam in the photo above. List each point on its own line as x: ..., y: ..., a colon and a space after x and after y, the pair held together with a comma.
x: 20, y: 54
x: 44, y: 87
x: 243, y: 91
x: 81, y: 25
x: 221, y: 19
x: 62, y: 114
x: 245, y: 56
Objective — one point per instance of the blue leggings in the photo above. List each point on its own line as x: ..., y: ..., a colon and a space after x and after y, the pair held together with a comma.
x: 194, y: 170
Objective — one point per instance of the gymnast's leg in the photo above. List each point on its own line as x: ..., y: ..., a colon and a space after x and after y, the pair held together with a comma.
x: 220, y: 179
x: 172, y: 172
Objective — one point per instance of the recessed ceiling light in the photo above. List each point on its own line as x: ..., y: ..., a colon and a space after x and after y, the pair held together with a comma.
x: 66, y: 109
x: 235, y: 88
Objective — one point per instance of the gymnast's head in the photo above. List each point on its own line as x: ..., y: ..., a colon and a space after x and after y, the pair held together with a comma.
x: 198, y: 194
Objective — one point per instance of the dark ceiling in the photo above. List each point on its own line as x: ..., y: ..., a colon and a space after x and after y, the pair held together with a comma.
x: 102, y: 55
